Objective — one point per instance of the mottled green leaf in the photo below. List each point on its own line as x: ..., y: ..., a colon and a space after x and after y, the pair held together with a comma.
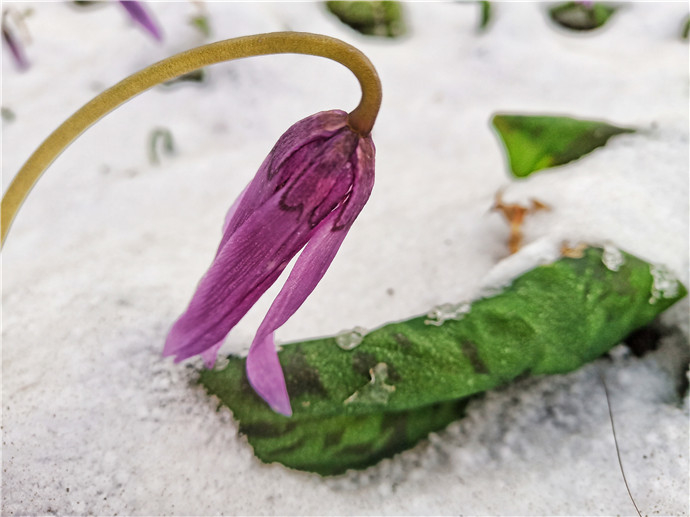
x: 371, y: 18
x: 580, y: 16
x: 355, y: 406
x: 539, y: 142
x: 686, y: 28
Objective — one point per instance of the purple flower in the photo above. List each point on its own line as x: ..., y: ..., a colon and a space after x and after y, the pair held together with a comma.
x: 138, y: 13
x: 307, y: 193
x: 13, y: 44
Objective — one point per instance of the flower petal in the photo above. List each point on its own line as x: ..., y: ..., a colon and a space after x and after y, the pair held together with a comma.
x: 14, y: 46
x: 268, y: 180
x: 261, y: 237
x: 263, y: 369
x: 230, y: 215
x: 363, y: 165
x: 209, y: 356
x: 309, y: 190
x: 139, y: 15
x: 246, y: 265
x: 266, y: 376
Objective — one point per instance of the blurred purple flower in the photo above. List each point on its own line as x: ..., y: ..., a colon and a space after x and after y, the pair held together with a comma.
x: 307, y: 193
x: 138, y: 13
x: 13, y: 44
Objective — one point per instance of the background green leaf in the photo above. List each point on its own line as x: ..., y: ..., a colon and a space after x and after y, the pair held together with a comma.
x: 580, y: 17
x: 371, y: 18
x: 406, y: 379
x: 537, y: 142
x: 485, y: 15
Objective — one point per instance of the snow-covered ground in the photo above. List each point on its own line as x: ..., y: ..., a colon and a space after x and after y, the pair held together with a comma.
x: 108, y: 248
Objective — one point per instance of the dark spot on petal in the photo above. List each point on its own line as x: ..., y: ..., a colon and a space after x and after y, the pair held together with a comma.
x: 313, y: 173
x: 299, y: 208
x: 469, y: 350
x: 335, y: 197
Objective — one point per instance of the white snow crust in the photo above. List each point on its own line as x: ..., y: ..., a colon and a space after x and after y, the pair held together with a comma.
x: 107, y: 250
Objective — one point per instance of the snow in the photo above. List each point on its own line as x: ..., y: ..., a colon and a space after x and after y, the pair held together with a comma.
x: 108, y: 249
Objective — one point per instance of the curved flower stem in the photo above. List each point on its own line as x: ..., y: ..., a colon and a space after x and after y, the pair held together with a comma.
x: 361, y: 119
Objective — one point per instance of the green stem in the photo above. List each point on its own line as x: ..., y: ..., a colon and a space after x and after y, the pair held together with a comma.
x: 361, y: 119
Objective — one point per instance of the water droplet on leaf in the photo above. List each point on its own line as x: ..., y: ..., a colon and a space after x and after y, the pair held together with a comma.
x: 221, y: 363
x: 664, y: 285
x: 612, y: 258
x: 349, y: 339
x: 376, y: 391
x: 447, y: 311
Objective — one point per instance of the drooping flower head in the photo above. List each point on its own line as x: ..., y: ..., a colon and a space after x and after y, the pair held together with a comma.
x: 307, y: 193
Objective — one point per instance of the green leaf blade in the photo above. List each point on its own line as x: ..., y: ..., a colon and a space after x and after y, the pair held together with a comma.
x: 534, y: 143
x: 407, y: 379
